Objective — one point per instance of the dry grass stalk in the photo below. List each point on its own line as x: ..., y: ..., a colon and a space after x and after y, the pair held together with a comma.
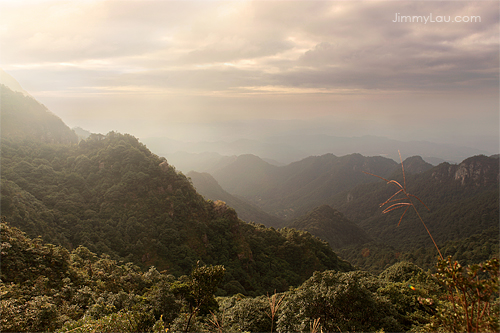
x: 405, y: 201
x: 274, y: 304
x: 315, y: 325
x: 214, y: 321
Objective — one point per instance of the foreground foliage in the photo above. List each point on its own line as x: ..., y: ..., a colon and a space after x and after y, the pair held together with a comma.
x: 45, y: 288
x: 471, y: 303
x: 48, y: 288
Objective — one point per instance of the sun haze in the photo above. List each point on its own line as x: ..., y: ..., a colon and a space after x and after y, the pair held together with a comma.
x: 208, y: 70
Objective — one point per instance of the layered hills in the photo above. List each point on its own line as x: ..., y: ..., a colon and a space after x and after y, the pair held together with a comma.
x: 462, y: 199
x: 207, y: 186
x: 110, y: 194
x: 292, y: 190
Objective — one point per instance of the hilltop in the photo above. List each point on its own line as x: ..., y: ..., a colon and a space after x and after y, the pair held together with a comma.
x: 110, y: 194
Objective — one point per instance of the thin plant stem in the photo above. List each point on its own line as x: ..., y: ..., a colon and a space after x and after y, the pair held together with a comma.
x: 430, y: 235
x: 274, y: 305
x: 398, y: 203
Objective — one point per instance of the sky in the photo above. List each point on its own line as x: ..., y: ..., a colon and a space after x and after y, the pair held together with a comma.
x: 210, y: 70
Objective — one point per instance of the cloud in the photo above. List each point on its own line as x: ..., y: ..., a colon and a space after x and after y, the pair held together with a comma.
x: 250, y: 59
x: 320, y: 44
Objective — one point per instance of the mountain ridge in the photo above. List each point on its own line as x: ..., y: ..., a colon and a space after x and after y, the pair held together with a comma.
x: 111, y: 194
x: 286, y: 149
x: 34, y: 122
x: 292, y: 190
x: 7, y: 80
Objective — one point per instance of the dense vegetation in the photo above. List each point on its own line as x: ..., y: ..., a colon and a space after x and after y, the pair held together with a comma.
x: 112, y: 195
x: 48, y: 288
x: 376, y: 256
x: 331, y: 225
x: 463, y: 202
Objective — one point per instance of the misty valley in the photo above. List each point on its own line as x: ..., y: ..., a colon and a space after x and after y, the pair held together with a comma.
x: 99, y: 233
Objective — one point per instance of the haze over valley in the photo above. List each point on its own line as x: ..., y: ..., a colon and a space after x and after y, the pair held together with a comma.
x: 253, y: 70
x: 249, y: 166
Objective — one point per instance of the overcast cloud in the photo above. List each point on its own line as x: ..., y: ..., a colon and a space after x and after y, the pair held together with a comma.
x: 153, y: 68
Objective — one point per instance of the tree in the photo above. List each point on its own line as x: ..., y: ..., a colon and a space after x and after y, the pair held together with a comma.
x: 343, y: 301
x: 472, y: 302
x: 199, y: 290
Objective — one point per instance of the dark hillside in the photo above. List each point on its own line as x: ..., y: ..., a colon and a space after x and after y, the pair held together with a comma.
x: 463, y: 200
x: 330, y: 225
x: 112, y: 195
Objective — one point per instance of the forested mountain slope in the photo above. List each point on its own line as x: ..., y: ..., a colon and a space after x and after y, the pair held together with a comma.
x: 22, y: 117
x: 330, y: 225
x: 48, y: 288
x: 293, y: 190
x: 112, y: 195
x: 464, y: 206
x: 207, y: 186
x: 463, y: 200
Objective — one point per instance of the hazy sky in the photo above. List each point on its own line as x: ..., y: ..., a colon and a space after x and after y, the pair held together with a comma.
x: 222, y: 70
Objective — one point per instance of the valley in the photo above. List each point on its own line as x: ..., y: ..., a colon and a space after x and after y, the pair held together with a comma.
x: 101, y: 231
x: 249, y: 166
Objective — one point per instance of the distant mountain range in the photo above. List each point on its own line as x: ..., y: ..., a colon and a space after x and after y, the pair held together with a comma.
x: 292, y: 190
x: 309, y: 194
x: 282, y: 150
